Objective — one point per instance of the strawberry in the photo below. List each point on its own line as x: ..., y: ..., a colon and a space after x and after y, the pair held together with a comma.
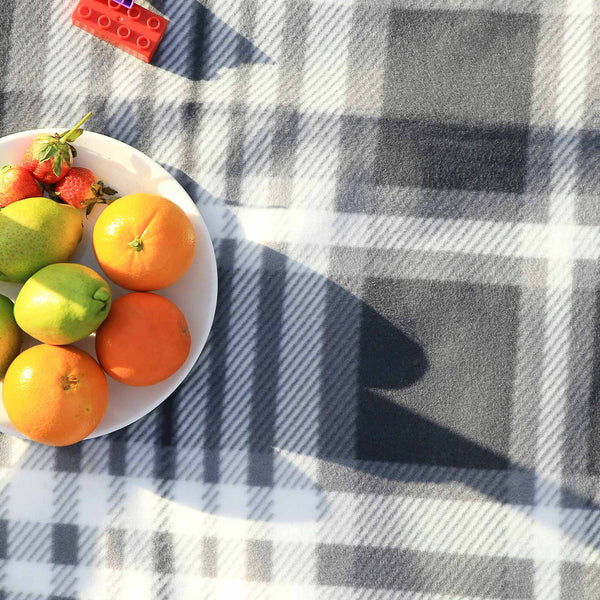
x: 49, y: 157
x: 17, y: 183
x: 82, y: 189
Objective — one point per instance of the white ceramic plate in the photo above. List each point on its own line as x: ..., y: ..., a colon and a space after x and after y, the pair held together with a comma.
x: 129, y: 171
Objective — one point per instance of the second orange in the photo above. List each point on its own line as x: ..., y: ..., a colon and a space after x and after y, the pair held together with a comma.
x: 144, y: 340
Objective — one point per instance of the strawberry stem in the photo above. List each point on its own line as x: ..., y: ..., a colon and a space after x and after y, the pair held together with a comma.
x: 65, y: 136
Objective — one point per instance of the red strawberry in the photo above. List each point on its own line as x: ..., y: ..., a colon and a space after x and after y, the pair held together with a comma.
x: 82, y: 189
x: 49, y: 157
x: 17, y: 183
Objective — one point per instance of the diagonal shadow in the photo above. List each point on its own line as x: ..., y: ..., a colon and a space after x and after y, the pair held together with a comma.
x: 198, y: 44
x: 428, y: 451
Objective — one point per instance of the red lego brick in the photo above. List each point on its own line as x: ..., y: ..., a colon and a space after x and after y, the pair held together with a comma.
x: 136, y: 30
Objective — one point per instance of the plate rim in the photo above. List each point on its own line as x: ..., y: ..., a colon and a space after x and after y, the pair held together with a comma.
x: 212, y: 261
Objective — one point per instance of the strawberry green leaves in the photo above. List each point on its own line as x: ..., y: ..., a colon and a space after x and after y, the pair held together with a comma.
x: 47, y: 147
x: 49, y: 157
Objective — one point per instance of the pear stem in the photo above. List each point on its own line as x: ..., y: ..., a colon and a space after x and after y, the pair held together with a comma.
x: 65, y: 136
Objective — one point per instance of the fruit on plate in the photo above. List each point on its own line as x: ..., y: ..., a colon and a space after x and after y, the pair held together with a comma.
x: 81, y: 188
x: 144, y: 242
x: 55, y: 395
x: 49, y: 157
x: 62, y: 303
x: 36, y: 232
x: 10, y: 335
x: 16, y: 183
x: 144, y: 340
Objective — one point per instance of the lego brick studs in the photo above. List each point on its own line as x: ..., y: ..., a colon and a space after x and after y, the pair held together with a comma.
x: 135, y: 30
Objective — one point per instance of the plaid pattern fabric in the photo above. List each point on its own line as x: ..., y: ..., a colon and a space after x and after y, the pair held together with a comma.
x: 399, y: 396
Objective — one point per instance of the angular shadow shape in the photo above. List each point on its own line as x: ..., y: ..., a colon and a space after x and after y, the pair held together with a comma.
x: 390, y: 359
x: 427, y: 451
x: 193, y: 55
x: 417, y: 440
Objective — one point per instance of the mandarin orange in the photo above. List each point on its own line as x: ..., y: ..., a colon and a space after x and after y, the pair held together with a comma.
x: 144, y: 340
x: 144, y: 242
x: 55, y: 395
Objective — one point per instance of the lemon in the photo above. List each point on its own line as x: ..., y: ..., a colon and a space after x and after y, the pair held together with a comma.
x: 62, y: 303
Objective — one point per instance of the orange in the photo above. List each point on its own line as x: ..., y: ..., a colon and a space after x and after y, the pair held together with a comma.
x: 55, y: 395
x: 144, y: 242
x: 144, y: 339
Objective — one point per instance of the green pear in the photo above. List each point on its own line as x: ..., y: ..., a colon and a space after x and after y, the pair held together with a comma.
x: 10, y: 335
x: 36, y: 232
x: 62, y: 303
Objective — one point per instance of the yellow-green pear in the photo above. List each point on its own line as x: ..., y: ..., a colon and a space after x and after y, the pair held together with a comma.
x: 34, y: 233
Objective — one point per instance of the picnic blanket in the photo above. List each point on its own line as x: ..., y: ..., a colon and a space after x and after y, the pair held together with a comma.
x: 399, y: 397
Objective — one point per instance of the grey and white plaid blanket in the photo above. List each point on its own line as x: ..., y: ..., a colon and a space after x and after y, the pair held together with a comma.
x: 399, y: 398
